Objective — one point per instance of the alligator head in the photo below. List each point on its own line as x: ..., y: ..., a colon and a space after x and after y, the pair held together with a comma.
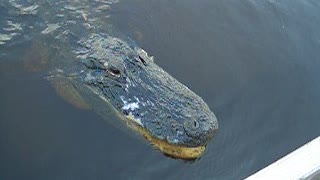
x: 166, y: 112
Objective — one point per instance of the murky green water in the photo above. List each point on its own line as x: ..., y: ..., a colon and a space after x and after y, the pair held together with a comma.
x: 256, y: 64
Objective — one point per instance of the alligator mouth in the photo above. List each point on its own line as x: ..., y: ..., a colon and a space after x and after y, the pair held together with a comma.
x: 168, y: 149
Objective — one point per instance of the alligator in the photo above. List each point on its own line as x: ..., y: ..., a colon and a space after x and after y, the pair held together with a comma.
x: 91, y: 63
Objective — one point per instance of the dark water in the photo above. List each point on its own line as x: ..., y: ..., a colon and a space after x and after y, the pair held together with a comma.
x: 256, y: 64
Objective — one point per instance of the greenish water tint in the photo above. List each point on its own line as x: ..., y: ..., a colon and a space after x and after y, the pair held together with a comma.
x: 256, y: 63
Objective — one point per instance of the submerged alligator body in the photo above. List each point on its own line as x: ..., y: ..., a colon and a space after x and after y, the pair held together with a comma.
x: 111, y: 74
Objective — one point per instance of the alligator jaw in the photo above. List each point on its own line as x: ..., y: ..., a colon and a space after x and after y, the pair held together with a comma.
x: 171, y: 150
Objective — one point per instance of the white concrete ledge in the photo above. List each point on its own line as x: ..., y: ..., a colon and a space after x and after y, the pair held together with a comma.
x: 303, y: 163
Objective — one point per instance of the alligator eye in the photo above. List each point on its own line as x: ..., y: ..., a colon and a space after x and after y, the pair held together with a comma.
x: 114, y: 71
x: 142, y: 60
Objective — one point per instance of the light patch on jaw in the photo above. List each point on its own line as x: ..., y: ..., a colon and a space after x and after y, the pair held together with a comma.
x: 130, y: 116
x: 132, y: 106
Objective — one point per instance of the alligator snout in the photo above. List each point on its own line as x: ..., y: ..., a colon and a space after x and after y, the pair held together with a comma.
x: 172, y: 117
x: 199, y: 131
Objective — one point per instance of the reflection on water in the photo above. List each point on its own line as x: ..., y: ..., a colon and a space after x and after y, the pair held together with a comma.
x: 255, y: 63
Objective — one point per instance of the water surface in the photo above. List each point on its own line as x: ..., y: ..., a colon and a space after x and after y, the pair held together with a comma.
x: 256, y: 64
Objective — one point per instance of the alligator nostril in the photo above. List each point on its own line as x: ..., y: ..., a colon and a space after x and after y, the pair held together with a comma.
x: 191, y: 125
x: 195, y: 124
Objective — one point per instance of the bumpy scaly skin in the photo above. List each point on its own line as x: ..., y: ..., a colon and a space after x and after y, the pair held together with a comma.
x: 129, y: 79
x: 158, y: 106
